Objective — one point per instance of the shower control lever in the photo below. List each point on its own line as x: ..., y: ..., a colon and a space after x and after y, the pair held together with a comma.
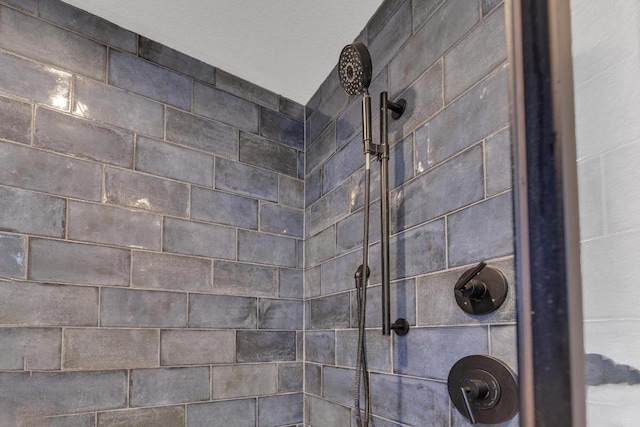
x: 481, y: 290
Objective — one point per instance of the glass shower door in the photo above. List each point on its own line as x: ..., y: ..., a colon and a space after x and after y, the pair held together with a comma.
x: 606, y: 71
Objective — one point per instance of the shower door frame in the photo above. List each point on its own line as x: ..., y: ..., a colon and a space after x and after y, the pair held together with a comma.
x: 549, y: 294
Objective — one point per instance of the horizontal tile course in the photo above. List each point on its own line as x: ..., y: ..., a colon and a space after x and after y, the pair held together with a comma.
x: 42, y: 41
x: 149, y: 417
x: 82, y: 138
x: 266, y: 249
x: 135, y: 190
x: 265, y: 346
x: 57, y: 261
x: 150, y: 387
x: 236, y: 112
x: 136, y: 308
x: 110, y: 348
x: 23, y: 211
x: 194, y: 238
x: 180, y: 347
x: 267, y: 154
x: 16, y: 120
x: 221, y: 311
x: 243, y: 380
x: 33, y: 169
x: 244, y: 279
x: 165, y: 271
x: 34, y: 304
x: 170, y: 58
x: 246, y: 180
x: 30, y: 348
x: 222, y: 413
x: 104, y: 224
x: 224, y: 208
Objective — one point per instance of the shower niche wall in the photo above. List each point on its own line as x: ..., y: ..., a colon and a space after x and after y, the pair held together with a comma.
x: 177, y: 246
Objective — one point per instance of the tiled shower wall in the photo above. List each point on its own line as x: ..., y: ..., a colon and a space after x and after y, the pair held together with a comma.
x: 451, y: 207
x: 151, y: 225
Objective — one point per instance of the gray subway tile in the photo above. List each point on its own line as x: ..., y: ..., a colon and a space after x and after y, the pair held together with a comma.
x: 323, y: 413
x: 401, y: 162
x: 489, y: 5
x: 266, y: 249
x: 42, y: 41
x: 321, y: 149
x: 165, y: 271
x: 290, y: 283
x: 36, y: 170
x: 105, y: 224
x: 88, y: 24
x: 243, y: 380
x: 134, y: 308
x: 282, y: 410
x: 312, y: 282
x: 391, y: 37
x: 291, y: 108
x: 329, y: 312
x: 34, y: 304
x: 436, y: 305
x: 356, y: 188
x: 244, y: 279
x: 378, y: 348
x: 12, y: 256
x: 349, y: 123
x: 82, y: 420
x: 381, y: 17
x: 326, y: 112
x: 134, y: 190
x: 478, y: 113
x: 408, y: 407
x: 220, y: 311
x: 110, y: 348
x: 82, y: 138
x: 330, y: 208
x: 247, y: 90
x: 423, y: 98
x: 423, y: 10
x: 223, y: 414
x: 172, y: 416
x: 265, y: 346
x: 222, y: 106
x: 30, y: 349
x: 498, y: 162
x: 320, y: 347
x: 57, y: 261
x: 224, y: 208
x: 246, y: 180
x: 338, y: 385
x: 144, y: 78
x: 471, y: 241
x: 165, y: 386
x: 107, y: 104
x: 342, y: 164
x: 31, y: 394
x: 313, y: 378
x: 313, y: 187
x: 452, y: 185
x: 414, y: 252
x: 16, y: 120
x: 32, y: 213
x: 280, y: 314
x: 180, y: 347
x: 281, y: 128
x: 448, y: 24
x: 280, y: 220
x: 30, y: 6
x: 290, y: 377
x: 338, y: 273
x: 291, y: 192
x: 504, y: 344
x: 350, y: 230
x: 163, y: 55
x: 411, y: 355
x: 402, y: 304
x: 170, y: 161
x: 476, y: 56
x: 261, y: 152
x: 35, y: 82
x: 203, y: 134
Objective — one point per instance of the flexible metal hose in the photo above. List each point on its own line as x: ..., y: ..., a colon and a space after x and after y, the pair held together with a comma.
x: 362, y: 371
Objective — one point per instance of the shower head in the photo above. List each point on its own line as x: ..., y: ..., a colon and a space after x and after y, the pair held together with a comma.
x: 354, y: 68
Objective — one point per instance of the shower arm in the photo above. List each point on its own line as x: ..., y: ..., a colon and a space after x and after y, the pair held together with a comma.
x: 400, y: 326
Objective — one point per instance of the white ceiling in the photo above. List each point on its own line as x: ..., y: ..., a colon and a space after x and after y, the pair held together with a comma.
x: 286, y: 46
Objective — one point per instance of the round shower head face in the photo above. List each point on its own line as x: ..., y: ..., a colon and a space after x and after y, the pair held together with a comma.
x: 354, y: 68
